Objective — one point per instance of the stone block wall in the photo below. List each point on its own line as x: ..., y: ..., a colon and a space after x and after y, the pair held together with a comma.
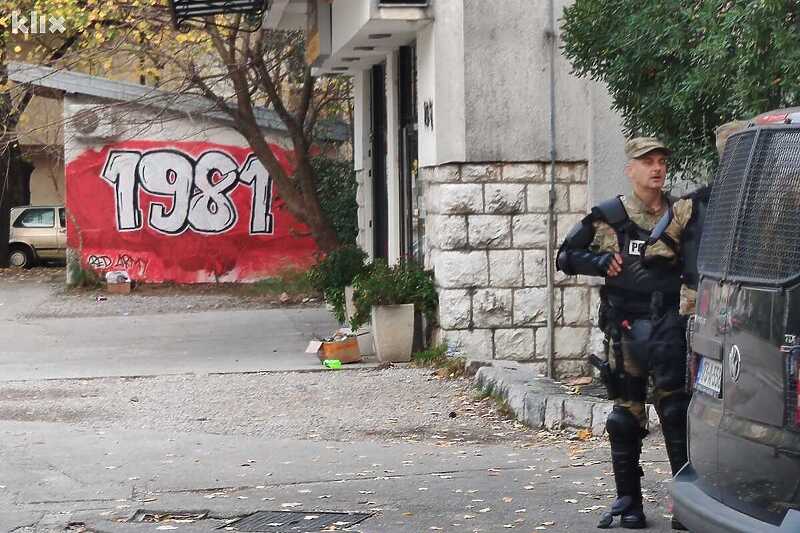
x: 486, y: 238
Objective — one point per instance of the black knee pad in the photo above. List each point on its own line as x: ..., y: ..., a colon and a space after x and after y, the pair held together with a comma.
x: 622, y: 425
x: 672, y: 410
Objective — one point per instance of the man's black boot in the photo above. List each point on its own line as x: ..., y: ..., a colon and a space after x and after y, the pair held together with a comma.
x: 625, y: 435
x: 672, y: 412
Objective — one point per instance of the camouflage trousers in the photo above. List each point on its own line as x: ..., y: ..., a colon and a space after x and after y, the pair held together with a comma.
x: 634, y: 368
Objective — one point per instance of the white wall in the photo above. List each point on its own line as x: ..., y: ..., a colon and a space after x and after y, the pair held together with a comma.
x: 426, y: 92
x: 606, y: 155
x: 348, y: 17
x: 486, y: 70
x: 449, y: 106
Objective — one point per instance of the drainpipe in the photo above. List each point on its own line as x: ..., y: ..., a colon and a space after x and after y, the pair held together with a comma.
x: 550, y: 38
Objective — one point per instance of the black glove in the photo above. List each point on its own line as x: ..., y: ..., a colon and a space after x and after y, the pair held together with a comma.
x: 585, y: 262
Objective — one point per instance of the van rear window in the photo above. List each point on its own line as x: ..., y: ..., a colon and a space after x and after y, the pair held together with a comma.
x: 752, y: 230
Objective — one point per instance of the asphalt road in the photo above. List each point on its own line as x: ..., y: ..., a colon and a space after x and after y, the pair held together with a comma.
x: 91, y: 471
x: 110, y: 344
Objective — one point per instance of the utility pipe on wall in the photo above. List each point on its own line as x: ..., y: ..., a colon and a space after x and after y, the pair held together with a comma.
x: 551, y: 40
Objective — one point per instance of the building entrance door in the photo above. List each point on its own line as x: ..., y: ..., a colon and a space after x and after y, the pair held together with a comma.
x: 380, y: 198
x: 410, y: 223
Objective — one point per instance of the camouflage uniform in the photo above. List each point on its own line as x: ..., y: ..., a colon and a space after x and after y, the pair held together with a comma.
x: 605, y: 240
x: 681, y: 215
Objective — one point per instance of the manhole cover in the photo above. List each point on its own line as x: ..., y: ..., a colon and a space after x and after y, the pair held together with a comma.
x: 295, y: 521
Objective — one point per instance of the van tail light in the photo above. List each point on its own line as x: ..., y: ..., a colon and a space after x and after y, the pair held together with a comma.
x: 793, y: 387
x: 796, y: 365
x: 704, y: 299
x: 692, y: 364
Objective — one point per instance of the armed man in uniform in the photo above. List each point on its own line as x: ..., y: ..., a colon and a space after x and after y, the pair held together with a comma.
x: 638, y: 314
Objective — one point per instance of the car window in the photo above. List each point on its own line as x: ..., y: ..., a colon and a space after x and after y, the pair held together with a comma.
x: 36, y: 218
x: 62, y: 217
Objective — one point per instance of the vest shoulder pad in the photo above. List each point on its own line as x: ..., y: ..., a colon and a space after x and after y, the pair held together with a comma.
x: 611, y: 211
x: 703, y: 194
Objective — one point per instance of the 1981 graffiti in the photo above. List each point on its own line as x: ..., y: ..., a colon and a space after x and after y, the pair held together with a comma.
x: 199, y: 189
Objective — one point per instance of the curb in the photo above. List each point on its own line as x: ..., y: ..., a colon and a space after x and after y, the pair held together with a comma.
x: 540, y: 402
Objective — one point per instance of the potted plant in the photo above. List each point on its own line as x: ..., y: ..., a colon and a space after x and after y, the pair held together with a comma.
x: 388, y: 296
x: 332, y: 274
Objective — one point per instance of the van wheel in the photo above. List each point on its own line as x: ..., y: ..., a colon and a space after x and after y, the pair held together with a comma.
x: 20, y: 257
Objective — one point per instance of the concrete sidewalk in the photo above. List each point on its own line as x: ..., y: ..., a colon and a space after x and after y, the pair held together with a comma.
x: 540, y: 402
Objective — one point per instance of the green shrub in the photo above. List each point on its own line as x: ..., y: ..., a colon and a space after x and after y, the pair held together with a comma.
x: 288, y: 280
x: 430, y: 357
x: 336, y: 190
x: 335, y: 272
x: 678, y: 69
x: 86, y: 279
x: 404, y: 283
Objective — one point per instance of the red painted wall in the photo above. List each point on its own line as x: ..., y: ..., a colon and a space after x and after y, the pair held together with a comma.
x: 185, y: 212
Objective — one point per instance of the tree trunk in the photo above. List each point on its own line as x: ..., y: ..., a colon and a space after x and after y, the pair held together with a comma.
x: 302, y: 201
x: 15, y: 172
x: 313, y: 215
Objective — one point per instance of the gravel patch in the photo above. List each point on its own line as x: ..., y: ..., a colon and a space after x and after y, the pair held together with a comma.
x: 81, y: 303
x: 145, y: 300
x: 391, y: 404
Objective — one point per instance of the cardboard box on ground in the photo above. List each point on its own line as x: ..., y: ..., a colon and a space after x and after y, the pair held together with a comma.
x: 118, y: 282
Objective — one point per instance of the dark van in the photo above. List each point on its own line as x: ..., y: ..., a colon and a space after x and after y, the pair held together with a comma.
x: 743, y: 473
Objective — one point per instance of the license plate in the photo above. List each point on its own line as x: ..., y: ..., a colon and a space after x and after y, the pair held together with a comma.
x: 709, y: 376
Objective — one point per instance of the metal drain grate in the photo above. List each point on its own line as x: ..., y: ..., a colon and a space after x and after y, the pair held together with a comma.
x: 154, y: 517
x: 295, y: 521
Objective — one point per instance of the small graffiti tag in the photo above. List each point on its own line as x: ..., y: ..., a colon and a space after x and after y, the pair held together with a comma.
x: 99, y: 262
x: 197, y: 191
x: 124, y: 262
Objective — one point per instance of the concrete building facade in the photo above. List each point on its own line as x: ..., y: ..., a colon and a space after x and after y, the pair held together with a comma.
x: 476, y: 150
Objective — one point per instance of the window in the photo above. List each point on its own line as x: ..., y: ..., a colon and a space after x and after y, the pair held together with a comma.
x: 36, y: 218
x: 62, y: 217
x: 751, y: 233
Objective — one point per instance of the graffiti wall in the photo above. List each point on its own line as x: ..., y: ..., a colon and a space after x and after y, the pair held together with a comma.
x: 186, y: 212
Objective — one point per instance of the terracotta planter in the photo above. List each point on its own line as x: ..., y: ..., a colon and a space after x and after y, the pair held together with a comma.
x: 393, y: 330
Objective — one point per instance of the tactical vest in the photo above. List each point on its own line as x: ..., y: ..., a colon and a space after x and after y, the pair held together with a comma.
x: 690, y: 238
x: 632, y: 289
